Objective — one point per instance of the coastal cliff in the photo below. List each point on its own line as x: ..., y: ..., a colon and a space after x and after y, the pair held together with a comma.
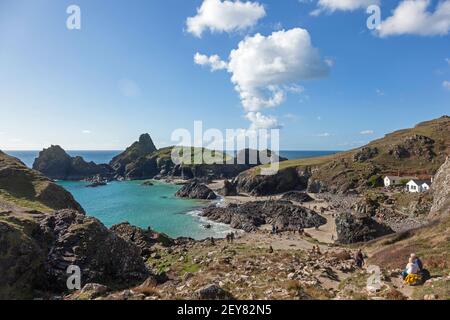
x: 419, y: 151
x: 56, y: 164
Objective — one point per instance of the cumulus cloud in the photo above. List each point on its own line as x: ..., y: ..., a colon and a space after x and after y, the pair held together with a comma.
x: 324, y: 135
x: 214, y: 61
x: 413, y: 17
x: 264, y: 68
x: 330, y: 6
x: 366, y: 132
x: 446, y: 85
x: 260, y: 121
x: 224, y: 16
x: 261, y: 66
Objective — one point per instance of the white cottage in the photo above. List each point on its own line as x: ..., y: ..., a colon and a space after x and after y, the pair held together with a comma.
x: 391, y: 181
x: 415, y: 186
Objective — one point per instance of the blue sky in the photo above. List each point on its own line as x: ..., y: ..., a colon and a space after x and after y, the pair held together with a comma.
x: 130, y: 69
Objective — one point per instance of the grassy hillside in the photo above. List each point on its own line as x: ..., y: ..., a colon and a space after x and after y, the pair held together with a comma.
x: 26, y: 188
x: 416, y: 151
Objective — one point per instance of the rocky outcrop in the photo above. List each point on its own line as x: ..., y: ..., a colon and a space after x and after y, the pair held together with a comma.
x: 358, y: 228
x: 132, y: 162
x: 365, y: 154
x: 143, y: 239
x: 284, y: 180
x: 196, y: 190
x: 36, y: 250
x: 228, y: 189
x: 55, y: 163
x: 102, y: 256
x: 249, y: 216
x: 297, y: 197
x: 441, y: 192
x: 28, y: 188
x: 415, y: 145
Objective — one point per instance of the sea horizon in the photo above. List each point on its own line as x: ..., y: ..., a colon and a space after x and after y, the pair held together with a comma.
x: 105, y: 156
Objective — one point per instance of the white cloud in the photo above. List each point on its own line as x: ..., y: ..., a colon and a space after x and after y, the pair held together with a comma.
x: 214, y: 61
x: 366, y: 132
x: 129, y: 88
x: 412, y: 17
x: 261, y: 66
x: 264, y: 68
x: 446, y: 85
x: 325, y: 134
x: 260, y: 121
x: 330, y: 6
x: 224, y: 16
x: 86, y: 132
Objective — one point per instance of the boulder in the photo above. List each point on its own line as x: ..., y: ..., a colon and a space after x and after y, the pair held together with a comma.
x: 229, y: 189
x: 297, y: 197
x: 284, y: 180
x: 359, y: 228
x: 102, y: 256
x: 249, y: 216
x: 213, y: 292
x: 196, y: 190
x: 143, y: 239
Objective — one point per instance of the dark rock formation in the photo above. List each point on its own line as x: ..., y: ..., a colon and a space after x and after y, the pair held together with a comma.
x: 143, y: 239
x: 132, y: 162
x: 352, y: 229
x: 297, y: 197
x: 249, y: 216
x: 36, y: 249
x: 213, y: 292
x: 285, y: 180
x: 229, y: 189
x: 416, y: 145
x: 365, y: 154
x: 55, y: 163
x: 103, y: 257
x: 196, y: 190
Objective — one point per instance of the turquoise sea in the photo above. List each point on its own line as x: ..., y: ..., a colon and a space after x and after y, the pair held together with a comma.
x: 145, y: 206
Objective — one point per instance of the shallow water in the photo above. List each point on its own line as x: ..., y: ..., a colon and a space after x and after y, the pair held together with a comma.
x: 145, y: 206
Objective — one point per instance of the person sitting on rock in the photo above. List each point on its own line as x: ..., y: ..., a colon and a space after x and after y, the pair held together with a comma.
x: 411, y: 268
x: 417, y: 261
x: 359, y: 259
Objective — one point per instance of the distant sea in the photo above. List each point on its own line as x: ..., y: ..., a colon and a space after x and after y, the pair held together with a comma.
x: 28, y: 157
x: 145, y: 206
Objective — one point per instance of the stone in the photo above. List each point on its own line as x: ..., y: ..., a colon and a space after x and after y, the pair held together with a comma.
x: 213, y: 292
x: 196, y: 190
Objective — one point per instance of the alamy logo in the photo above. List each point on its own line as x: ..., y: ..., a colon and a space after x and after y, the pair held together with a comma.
x: 374, y: 20
x: 74, y: 279
x: 211, y: 146
x: 73, y: 21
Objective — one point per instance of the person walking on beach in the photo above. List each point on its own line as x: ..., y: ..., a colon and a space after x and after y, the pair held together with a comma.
x: 359, y: 259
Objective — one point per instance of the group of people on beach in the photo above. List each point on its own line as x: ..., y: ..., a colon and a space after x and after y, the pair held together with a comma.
x: 230, y: 237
